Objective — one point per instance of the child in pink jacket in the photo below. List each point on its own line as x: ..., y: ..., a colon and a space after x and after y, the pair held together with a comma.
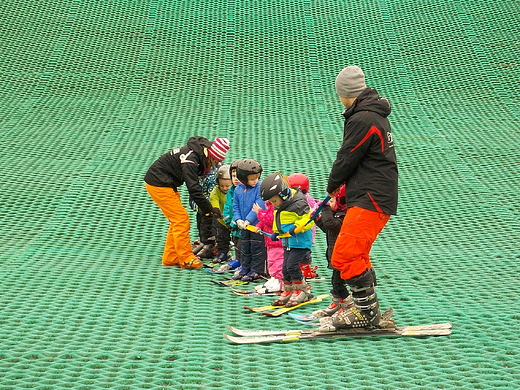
x: 274, y: 250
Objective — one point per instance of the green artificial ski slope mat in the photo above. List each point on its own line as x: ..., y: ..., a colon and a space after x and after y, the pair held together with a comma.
x: 91, y: 92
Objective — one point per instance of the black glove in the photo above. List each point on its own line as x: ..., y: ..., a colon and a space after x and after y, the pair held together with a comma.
x: 216, y: 212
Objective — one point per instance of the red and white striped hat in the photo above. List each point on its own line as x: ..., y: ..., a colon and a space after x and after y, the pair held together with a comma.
x: 219, y: 148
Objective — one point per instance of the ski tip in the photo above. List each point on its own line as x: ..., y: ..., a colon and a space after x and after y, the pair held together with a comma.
x: 232, y: 329
x: 266, y: 313
x: 245, y: 340
x: 230, y: 338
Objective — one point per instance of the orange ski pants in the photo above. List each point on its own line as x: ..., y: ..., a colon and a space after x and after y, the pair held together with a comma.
x: 177, y: 248
x: 360, y: 228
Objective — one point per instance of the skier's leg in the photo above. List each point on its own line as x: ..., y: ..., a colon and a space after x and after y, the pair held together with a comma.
x: 360, y: 228
x: 340, y: 296
x: 207, y: 237
x: 245, y: 250
x: 301, y: 290
x: 351, y: 256
x: 275, y: 261
x: 258, y: 268
x: 223, y: 238
x: 178, y: 240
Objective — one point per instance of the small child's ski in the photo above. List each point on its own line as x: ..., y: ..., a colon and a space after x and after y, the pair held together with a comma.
x: 306, y: 319
x: 218, y: 271
x: 253, y: 293
x: 261, y: 308
x: 279, y: 310
x: 229, y: 283
x: 239, y: 291
x: 284, y: 309
x: 253, y: 337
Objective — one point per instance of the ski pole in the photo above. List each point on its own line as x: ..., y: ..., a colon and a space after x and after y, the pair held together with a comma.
x: 318, y: 211
x: 254, y: 230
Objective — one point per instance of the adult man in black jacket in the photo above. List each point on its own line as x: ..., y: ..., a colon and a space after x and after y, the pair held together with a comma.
x: 366, y: 163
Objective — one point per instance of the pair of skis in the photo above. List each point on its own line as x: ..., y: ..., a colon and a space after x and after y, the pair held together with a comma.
x: 243, y: 336
x: 276, y: 311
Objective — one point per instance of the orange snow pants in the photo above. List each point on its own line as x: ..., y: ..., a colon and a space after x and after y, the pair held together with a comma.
x: 177, y: 249
x: 360, y: 228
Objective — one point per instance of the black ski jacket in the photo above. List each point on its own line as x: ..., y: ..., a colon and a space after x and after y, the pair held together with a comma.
x: 182, y: 165
x: 366, y: 161
x: 330, y: 222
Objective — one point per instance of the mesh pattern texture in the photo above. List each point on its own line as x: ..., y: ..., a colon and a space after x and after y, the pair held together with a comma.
x: 92, y: 92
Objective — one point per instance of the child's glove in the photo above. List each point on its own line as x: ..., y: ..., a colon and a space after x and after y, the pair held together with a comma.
x: 274, y: 236
x: 314, y: 208
x: 193, y: 205
x: 216, y: 212
x: 242, y: 224
x: 289, y: 233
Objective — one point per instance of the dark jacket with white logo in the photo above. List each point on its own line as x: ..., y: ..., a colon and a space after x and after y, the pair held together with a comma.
x: 366, y: 161
x: 182, y: 165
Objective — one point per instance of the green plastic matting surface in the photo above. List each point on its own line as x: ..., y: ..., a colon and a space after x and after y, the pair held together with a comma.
x: 91, y: 92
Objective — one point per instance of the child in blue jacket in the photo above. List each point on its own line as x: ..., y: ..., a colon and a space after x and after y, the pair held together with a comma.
x: 247, y: 193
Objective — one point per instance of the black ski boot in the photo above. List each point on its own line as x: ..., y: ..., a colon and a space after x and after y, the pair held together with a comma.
x: 363, y: 313
x: 206, y: 252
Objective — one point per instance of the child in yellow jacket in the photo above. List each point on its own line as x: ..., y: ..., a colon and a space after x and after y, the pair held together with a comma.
x: 291, y: 217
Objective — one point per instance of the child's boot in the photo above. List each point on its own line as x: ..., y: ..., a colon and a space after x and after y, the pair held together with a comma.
x: 273, y: 285
x: 207, y: 251
x: 240, y: 273
x: 301, y: 293
x: 363, y: 312
x: 285, y: 295
x: 340, y: 305
x: 329, y: 310
x: 309, y: 272
x: 252, y: 276
x: 233, y: 264
x: 220, y: 257
x: 197, y: 247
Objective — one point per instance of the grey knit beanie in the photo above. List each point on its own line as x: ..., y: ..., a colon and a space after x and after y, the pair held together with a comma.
x: 350, y: 82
